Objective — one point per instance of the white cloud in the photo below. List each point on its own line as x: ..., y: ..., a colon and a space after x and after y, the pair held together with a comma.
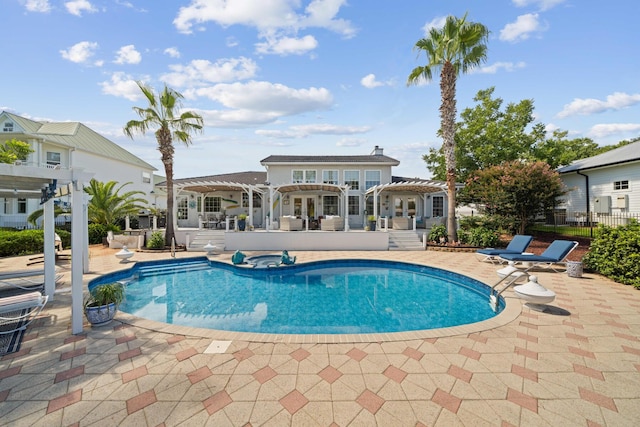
x: 172, y: 52
x: 352, y: 142
x: 81, y: 53
x: 522, y: 28
x: 287, y: 45
x: 128, y: 55
x: 369, y: 81
x: 200, y: 72
x: 41, y: 6
x: 267, y: 96
x: 122, y: 85
x: 615, y: 101
x: 437, y: 22
x: 265, y: 15
x: 542, y: 4
x: 603, y: 130
x: 76, y: 7
x: 258, y: 102
x: 304, y: 131
x: 494, y: 68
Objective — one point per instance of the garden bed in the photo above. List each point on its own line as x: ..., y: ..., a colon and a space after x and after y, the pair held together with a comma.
x: 451, y: 248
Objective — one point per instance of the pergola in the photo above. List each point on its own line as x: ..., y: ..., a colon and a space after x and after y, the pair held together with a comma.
x: 418, y: 187
x: 22, y: 181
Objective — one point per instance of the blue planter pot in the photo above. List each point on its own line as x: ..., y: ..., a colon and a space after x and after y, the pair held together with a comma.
x: 101, y: 315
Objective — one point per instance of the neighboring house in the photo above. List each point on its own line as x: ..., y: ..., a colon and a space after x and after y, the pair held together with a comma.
x: 69, y: 145
x: 604, y: 188
x: 312, y: 187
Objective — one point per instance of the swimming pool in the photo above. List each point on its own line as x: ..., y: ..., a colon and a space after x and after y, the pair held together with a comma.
x: 323, y: 297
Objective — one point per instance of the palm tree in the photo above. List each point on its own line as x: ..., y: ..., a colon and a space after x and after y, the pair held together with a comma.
x: 457, y: 47
x: 108, y: 206
x: 162, y: 115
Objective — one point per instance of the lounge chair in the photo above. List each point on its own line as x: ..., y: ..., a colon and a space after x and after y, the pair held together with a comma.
x: 16, y: 282
x: 18, y: 311
x: 556, y: 253
x: 517, y: 245
x: 238, y: 258
x: 286, y: 259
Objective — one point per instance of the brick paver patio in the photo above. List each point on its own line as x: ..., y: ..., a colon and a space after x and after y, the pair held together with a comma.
x: 578, y: 365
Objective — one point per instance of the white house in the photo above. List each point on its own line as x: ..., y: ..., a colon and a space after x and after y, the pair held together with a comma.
x: 604, y: 188
x: 67, y: 145
x: 312, y: 188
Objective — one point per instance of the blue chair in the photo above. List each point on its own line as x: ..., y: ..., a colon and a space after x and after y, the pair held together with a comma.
x: 516, y: 246
x: 238, y: 258
x: 286, y: 259
x: 556, y: 253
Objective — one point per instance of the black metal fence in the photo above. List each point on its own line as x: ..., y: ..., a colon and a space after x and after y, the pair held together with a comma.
x: 583, y: 224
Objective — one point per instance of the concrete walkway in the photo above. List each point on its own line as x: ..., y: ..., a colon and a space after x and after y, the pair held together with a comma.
x: 576, y: 366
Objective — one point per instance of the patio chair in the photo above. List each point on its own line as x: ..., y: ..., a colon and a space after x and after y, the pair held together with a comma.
x: 556, y: 253
x: 18, y: 311
x: 286, y: 259
x: 516, y: 246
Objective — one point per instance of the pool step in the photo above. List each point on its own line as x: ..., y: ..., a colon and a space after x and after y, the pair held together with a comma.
x: 154, y: 270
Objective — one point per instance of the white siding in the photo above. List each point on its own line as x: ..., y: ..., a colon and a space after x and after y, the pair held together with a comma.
x: 601, y: 184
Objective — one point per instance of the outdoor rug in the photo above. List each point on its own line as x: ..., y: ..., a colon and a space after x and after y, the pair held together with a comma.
x: 11, y: 342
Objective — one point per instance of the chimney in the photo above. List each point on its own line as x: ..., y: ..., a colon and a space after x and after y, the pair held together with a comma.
x: 377, y: 151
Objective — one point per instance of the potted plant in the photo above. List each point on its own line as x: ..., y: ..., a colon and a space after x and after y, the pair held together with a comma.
x: 102, y: 303
x: 242, y: 221
x: 372, y: 222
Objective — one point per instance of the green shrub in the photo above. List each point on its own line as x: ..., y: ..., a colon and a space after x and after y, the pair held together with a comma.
x: 615, y: 253
x: 99, y: 231
x: 437, y: 232
x: 156, y: 241
x: 479, y: 236
x: 27, y: 242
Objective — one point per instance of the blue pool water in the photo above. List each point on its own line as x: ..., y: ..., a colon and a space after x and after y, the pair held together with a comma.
x: 328, y: 297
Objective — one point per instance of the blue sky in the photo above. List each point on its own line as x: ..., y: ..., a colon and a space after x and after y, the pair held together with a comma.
x: 313, y: 77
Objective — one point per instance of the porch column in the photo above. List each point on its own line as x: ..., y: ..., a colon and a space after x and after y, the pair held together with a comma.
x: 48, y: 225
x: 250, y: 222
x: 346, y: 209
x: 77, y: 197
x: 85, y: 220
x: 270, y: 208
x: 375, y: 203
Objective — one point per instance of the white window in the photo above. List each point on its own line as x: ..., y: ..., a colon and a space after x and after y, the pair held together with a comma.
x: 354, y: 205
x: 22, y: 206
x: 438, y: 206
x: 297, y: 176
x: 8, y: 127
x: 303, y: 176
x: 352, y: 179
x: 330, y: 205
x: 183, y: 208
x: 621, y: 185
x: 310, y: 177
x: 330, y: 177
x: 371, y: 179
x: 146, y: 177
x: 53, y: 158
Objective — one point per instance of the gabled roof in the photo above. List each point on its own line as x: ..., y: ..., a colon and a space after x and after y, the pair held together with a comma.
x: 367, y: 159
x: 625, y: 154
x: 222, y: 182
x: 75, y: 135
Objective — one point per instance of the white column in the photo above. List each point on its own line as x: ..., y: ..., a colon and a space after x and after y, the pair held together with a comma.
x: 127, y: 226
x: 155, y: 223
x: 85, y: 222
x: 77, y: 227
x: 48, y: 224
x: 346, y: 209
x: 250, y: 219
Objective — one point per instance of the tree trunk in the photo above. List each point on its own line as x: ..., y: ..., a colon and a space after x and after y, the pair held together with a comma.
x: 165, y: 146
x: 448, y: 127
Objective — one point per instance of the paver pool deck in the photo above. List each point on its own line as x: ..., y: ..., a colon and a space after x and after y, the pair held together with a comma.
x: 578, y: 365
